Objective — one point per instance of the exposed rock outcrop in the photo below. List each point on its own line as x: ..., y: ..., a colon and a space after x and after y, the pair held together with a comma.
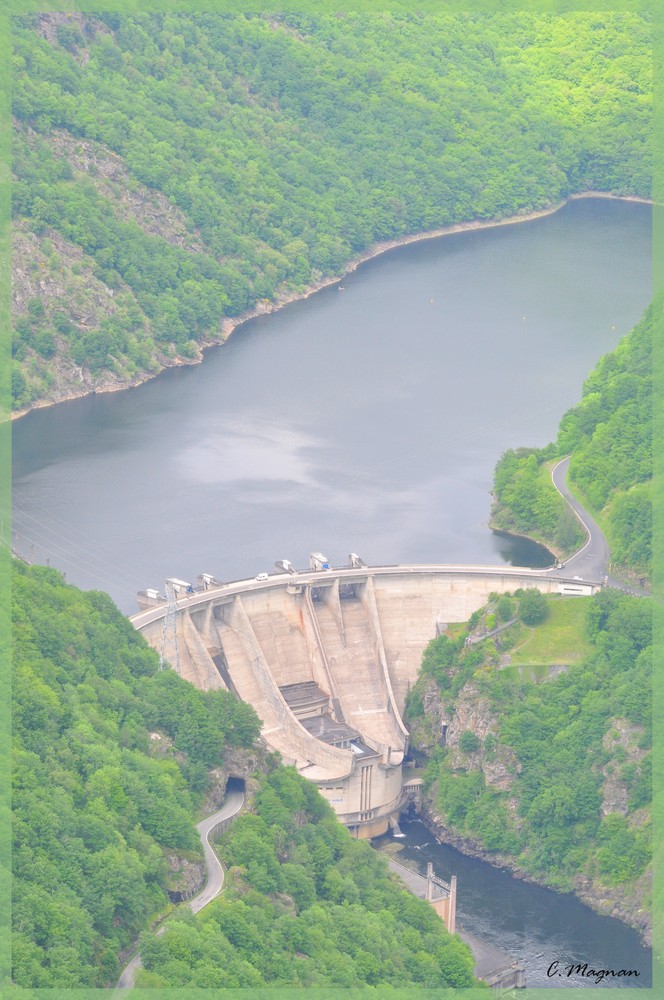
x: 186, y: 877
x: 238, y: 763
x: 622, y: 739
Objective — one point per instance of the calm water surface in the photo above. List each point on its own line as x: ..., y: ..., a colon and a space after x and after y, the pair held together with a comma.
x: 366, y: 420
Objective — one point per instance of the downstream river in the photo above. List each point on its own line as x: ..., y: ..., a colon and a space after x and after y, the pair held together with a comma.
x: 535, y: 926
x: 366, y: 420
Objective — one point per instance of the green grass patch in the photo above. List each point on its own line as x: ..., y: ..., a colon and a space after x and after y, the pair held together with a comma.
x: 562, y: 638
x: 456, y: 629
x: 531, y: 673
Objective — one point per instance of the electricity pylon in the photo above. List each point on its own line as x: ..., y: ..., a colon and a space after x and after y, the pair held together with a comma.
x: 169, y: 636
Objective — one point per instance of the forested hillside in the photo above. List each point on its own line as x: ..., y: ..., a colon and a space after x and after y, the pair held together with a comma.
x: 547, y: 766
x: 174, y: 170
x: 306, y: 906
x: 609, y: 435
x: 112, y: 760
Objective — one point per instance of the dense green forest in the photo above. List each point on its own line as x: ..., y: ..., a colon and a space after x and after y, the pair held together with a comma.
x: 101, y: 808
x: 553, y: 771
x: 97, y: 803
x: 307, y: 906
x: 173, y: 170
x: 609, y: 437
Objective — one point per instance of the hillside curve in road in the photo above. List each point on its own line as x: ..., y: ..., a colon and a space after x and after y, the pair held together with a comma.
x: 591, y: 562
x: 214, y: 871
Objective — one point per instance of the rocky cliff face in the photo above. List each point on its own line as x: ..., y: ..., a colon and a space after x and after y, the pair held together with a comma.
x: 186, y: 877
x: 472, y: 714
x: 238, y: 763
x: 60, y: 298
x: 621, y: 741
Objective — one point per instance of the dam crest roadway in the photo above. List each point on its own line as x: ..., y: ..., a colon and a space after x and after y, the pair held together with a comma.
x: 326, y: 658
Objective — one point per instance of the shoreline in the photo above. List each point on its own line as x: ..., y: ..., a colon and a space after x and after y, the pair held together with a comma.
x: 230, y: 325
x: 527, y: 538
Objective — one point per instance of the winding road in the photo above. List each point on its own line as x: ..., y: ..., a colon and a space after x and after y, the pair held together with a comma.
x: 214, y: 870
x: 591, y: 561
x: 215, y: 873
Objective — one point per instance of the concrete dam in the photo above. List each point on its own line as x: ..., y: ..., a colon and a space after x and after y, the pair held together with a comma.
x: 326, y: 658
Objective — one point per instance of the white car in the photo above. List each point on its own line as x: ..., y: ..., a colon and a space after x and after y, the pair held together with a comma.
x: 262, y: 577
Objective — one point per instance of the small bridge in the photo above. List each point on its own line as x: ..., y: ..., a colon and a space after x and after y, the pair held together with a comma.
x: 326, y: 658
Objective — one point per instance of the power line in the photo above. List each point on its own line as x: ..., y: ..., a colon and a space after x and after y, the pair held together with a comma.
x: 91, y: 567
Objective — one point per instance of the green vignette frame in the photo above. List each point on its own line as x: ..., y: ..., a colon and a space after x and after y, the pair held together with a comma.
x: 554, y: 7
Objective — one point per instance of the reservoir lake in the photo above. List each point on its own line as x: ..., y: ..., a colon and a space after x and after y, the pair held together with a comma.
x: 365, y: 420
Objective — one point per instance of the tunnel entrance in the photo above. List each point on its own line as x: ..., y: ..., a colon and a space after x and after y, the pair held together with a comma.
x: 235, y: 785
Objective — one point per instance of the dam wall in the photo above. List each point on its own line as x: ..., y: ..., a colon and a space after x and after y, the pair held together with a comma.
x: 326, y: 658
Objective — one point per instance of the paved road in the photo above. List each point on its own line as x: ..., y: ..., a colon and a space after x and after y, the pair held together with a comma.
x: 316, y: 577
x: 126, y: 980
x: 215, y: 876
x: 215, y: 873
x: 592, y: 560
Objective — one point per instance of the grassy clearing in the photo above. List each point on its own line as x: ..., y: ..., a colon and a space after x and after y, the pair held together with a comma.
x: 560, y: 639
x: 456, y: 629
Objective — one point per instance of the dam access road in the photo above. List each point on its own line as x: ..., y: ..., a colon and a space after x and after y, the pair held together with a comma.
x: 592, y: 560
x: 214, y: 882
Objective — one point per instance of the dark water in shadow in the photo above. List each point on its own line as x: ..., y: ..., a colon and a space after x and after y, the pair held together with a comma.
x: 534, y: 925
x: 365, y: 421
x: 522, y: 551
